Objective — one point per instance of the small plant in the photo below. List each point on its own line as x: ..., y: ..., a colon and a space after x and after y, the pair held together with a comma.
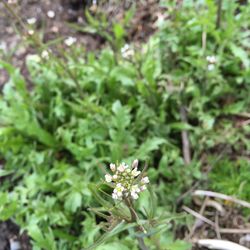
x: 121, y: 212
x: 127, y: 181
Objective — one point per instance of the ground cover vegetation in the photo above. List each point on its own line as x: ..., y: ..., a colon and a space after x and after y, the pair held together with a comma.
x: 179, y: 103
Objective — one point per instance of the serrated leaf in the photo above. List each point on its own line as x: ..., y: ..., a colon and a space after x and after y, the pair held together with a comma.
x: 242, y: 54
x: 73, y: 201
x: 148, y: 146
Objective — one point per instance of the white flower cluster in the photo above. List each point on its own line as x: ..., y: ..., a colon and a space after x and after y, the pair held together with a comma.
x: 126, y: 180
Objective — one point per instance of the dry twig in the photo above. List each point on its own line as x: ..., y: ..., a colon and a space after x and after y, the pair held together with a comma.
x: 197, y: 220
x: 220, y: 244
x: 221, y: 196
x: 199, y: 216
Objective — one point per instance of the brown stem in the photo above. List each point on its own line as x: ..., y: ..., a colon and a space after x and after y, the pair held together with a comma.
x: 134, y: 219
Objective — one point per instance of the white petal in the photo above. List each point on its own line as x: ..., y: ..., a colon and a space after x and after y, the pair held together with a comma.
x: 114, y: 196
x: 112, y: 167
x: 121, y: 168
x: 108, y: 178
x: 145, y: 180
x: 135, y: 163
x: 135, y: 172
x: 134, y: 195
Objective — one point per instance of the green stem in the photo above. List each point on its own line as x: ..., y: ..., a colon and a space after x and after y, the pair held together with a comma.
x: 219, y: 11
x: 134, y: 217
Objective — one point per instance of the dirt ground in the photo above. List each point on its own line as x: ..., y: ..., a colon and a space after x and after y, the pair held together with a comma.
x: 52, y: 20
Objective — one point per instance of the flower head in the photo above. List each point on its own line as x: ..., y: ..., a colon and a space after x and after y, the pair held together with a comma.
x: 126, y: 180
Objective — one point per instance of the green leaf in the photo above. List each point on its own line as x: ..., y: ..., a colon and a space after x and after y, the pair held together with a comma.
x: 113, y: 246
x: 43, y: 240
x: 73, y: 201
x: 5, y: 172
x: 151, y: 144
x: 118, y: 31
x: 242, y: 54
x: 180, y: 245
x: 122, y: 226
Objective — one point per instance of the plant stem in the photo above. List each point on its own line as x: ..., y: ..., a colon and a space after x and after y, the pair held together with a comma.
x: 134, y: 217
x: 219, y: 10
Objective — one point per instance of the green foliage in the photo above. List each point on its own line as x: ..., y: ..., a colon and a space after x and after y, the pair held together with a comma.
x: 53, y: 140
x: 232, y: 178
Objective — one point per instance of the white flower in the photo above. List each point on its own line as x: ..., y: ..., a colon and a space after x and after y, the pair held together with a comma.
x: 210, y: 67
x: 115, y: 196
x: 31, y: 20
x: 108, y: 178
x: 45, y: 54
x: 70, y: 41
x: 118, y: 190
x: 125, y: 48
x: 143, y: 187
x: 115, y: 177
x: 134, y: 195
x: 112, y: 167
x: 121, y: 168
x: 135, y: 188
x: 119, y: 185
x: 127, y: 51
x: 51, y: 14
x: 31, y: 32
x: 211, y: 59
x: 135, y: 172
x: 145, y: 180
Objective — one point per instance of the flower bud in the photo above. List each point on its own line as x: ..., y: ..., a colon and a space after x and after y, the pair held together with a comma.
x: 112, y: 167
x: 135, y: 163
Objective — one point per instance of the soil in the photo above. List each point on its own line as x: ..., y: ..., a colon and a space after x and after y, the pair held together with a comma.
x: 52, y: 20
x: 11, y: 239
